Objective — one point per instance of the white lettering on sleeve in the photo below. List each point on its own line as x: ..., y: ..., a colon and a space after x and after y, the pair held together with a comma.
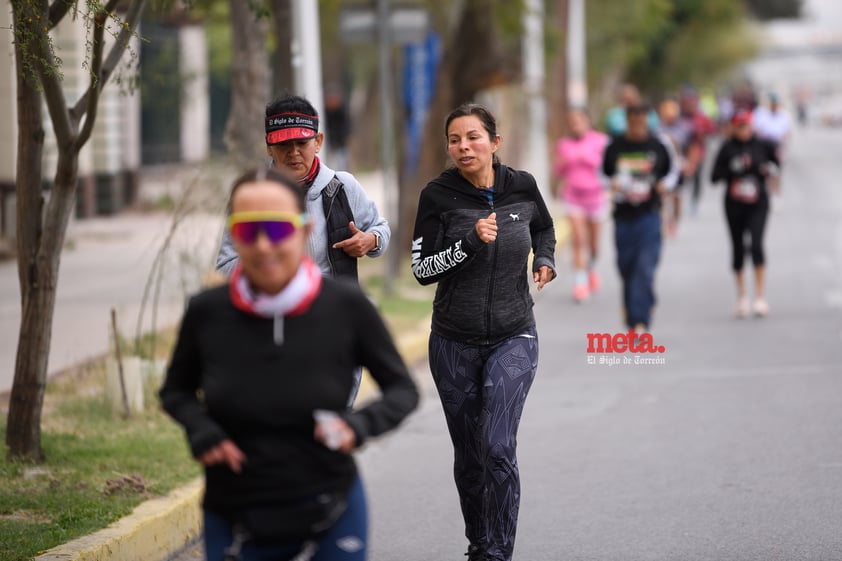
x: 437, y: 263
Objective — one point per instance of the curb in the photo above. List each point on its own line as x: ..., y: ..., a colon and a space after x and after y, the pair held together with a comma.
x: 153, y: 531
x: 160, y: 528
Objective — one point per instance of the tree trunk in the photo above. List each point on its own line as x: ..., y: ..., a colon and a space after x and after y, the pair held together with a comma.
x: 23, y: 434
x: 40, y: 231
x: 476, y: 58
x: 557, y: 93
x: 282, y: 64
x: 249, y: 86
x: 471, y: 60
x: 363, y: 142
x: 23, y: 431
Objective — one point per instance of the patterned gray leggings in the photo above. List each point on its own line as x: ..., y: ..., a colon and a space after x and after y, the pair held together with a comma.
x: 483, y: 390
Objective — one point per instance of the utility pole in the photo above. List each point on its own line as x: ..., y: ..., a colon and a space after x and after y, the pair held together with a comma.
x: 307, y: 54
x: 577, y: 80
x: 533, y: 85
x: 387, y: 141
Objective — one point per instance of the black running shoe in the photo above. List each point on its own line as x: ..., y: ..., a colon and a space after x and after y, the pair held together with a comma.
x: 475, y: 553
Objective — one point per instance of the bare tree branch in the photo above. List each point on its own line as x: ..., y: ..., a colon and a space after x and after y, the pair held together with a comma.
x: 58, y: 10
x: 127, y: 31
x: 51, y: 85
x: 94, y: 90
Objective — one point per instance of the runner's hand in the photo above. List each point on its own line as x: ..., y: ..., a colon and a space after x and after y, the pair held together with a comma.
x: 336, y: 428
x: 226, y: 452
x: 542, y: 276
x: 487, y: 228
x: 359, y: 244
x: 775, y: 185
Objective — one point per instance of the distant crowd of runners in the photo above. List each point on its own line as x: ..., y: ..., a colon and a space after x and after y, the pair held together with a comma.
x: 645, y: 160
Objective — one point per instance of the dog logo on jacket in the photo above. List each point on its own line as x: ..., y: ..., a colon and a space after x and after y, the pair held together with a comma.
x: 515, y: 217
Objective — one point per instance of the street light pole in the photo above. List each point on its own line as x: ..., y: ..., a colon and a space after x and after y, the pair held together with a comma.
x: 533, y: 85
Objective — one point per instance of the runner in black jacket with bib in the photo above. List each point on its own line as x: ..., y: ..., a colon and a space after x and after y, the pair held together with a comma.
x: 747, y: 165
x: 476, y: 226
x: 637, y: 164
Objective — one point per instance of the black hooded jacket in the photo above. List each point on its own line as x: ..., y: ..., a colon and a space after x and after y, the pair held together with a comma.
x: 483, y: 289
x: 745, y: 160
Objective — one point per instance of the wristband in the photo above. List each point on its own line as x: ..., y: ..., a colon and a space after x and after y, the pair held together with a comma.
x: 377, y: 246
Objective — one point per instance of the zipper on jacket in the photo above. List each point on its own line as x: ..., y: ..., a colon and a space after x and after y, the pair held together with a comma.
x: 327, y: 226
x: 490, y: 278
x: 490, y: 294
x: 278, y: 330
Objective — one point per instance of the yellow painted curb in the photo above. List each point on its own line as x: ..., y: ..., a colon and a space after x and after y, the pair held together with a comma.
x: 413, y: 348
x: 152, y: 532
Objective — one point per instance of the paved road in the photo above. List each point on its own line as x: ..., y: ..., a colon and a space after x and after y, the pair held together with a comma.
x: 730, y: 450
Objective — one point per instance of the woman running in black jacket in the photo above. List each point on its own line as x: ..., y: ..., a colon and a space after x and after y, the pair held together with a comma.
x: 749, y: 167
x: 476, y: 226
x: 260, y: 378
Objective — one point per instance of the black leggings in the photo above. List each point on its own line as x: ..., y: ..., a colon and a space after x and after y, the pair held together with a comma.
x: 696, y: 178
x: 744, y: 218
x: 483, y: 390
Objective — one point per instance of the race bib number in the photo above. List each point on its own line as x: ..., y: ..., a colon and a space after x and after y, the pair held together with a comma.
x: 745, y: 190
x: 738, y: 163
x: 638, y: 191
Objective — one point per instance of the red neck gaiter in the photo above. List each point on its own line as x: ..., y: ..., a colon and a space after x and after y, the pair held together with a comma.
x: 311, y: 175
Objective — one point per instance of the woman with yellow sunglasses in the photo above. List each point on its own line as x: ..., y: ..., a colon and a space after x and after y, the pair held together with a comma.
x: 259, y: 378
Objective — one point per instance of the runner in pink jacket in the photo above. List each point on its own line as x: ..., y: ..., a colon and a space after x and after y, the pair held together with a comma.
x: 577, y: 165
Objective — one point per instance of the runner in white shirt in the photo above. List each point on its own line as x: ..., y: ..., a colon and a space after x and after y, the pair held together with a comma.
x: 772, y: 122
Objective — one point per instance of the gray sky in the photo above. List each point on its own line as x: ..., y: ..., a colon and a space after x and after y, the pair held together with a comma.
x: 822, y: 23
x: 824, y: 13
